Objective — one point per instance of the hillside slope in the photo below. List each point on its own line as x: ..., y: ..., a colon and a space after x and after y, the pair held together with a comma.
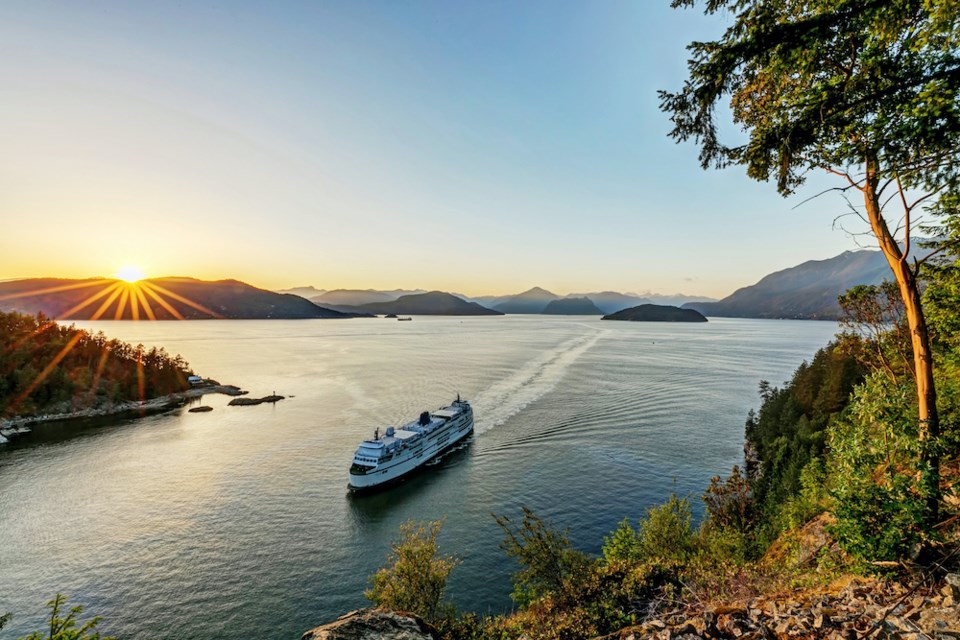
x: 807, y: 291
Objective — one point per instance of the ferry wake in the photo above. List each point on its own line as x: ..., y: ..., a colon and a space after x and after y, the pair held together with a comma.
x: 398, y: 452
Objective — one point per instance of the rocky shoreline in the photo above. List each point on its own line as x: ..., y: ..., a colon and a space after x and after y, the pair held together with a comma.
x: 153, y: 405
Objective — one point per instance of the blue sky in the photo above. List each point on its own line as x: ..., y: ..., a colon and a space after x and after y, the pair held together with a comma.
x: 483, y: 147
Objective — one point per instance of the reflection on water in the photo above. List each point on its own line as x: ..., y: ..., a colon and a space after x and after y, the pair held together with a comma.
x: 200, y: 524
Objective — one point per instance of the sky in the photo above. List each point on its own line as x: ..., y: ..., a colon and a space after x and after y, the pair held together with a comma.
x: 478, y: 146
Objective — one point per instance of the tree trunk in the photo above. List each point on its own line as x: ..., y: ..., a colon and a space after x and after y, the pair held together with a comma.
x: 929, y: 420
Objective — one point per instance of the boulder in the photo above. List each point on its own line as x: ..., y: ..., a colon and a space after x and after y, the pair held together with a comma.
x: 373, y: 624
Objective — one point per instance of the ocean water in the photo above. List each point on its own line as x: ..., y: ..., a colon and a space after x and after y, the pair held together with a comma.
x: 237, y: 523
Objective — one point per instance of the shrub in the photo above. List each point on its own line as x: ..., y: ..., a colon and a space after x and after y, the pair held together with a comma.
x: 874, y: 460
x: 550, y: 564
x: 666, y: 534
x: 65, y: 627
x: 730, y: 503
x: 416, y: 576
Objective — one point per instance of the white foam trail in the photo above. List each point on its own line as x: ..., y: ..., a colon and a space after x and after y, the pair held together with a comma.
x: 500, y: 402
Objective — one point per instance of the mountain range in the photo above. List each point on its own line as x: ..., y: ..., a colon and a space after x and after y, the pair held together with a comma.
x: 433, y: 303
x: 806, y: 291
x: 157, y: 298
x: 535, y: 300
x: 336, y: 298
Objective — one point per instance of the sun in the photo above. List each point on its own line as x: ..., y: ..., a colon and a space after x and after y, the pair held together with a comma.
x: 129, y: 273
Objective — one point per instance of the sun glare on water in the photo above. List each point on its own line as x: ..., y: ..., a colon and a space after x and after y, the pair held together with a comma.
x: 130, y: 273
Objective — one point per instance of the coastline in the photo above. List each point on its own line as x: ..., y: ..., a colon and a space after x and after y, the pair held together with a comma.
x: 153, y: 405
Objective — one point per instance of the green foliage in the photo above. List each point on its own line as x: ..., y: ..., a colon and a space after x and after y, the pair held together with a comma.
x: 812, y: 499
x: 44, y: 364
x: 880, y: 339
x: 549, y: 563
x: 873, y: 456
x: 730, y: 503
x: 64, y: 627
x: 664, y: 535
x: 789, y: 431
x: 827, y: 84
x: 721, y: 546
x: 415, y: 576
x: 941, y: 297
x: 623, y: 545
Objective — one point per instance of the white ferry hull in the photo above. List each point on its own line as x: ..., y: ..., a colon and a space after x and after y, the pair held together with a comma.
x: 409, y: 459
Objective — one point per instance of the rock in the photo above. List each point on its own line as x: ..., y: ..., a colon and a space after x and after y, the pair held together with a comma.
x: 952, y: 580
x: 247, y: 402
x: 373, y: 624
x: 244, y: 402
x: 202, y: 409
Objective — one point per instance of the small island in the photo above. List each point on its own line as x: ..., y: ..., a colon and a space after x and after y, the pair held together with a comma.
x: 657, y: 313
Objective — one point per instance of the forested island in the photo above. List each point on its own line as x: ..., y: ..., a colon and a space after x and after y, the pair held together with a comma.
x: 656, y: 313
x: 49, y: 368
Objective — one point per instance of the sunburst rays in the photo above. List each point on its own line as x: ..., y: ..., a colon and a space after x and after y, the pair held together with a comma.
x: 126, y: 299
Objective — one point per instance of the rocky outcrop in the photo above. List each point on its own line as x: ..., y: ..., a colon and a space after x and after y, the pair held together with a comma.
x: 249, y: 402
x: 373, y: 624
x: 854, y: 608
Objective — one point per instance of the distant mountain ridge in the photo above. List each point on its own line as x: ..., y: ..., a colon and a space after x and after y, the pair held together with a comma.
x: 155, y: 298
x: 303, y: 292
x: 433, y: 303
x: 533, y: 300
x: 572, y: 307
x: 356, y: 297
x: 806, y: 291
x: 611, y: 301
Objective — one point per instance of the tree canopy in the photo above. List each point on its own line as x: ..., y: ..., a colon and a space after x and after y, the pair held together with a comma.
x: 820, y: 84
x: 868, y: 90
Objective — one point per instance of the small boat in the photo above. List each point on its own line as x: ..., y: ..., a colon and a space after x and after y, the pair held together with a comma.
x: 398, y: 452
x: 404, y: 319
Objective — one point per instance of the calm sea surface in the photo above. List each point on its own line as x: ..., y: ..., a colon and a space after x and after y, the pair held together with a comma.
x: 237, y: 524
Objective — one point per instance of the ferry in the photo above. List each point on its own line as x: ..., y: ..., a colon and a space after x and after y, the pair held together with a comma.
x: 387, y: 458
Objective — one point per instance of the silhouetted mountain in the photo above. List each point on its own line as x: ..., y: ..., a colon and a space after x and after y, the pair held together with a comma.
x: 531, y: 301
x: 572, y: 307
x: 611, y: 301
x: 807, y: 291
x: 434, y: 303
x: 303, y: 292
x: 656, y: 313
x: 355, y: 297
x: 674, y: 300
x: 157, y: 298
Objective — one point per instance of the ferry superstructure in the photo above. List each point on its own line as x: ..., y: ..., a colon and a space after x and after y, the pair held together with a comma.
x: 389, y: 457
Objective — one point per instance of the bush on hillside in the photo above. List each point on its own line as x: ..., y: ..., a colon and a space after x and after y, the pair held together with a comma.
x: 415, y: 577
